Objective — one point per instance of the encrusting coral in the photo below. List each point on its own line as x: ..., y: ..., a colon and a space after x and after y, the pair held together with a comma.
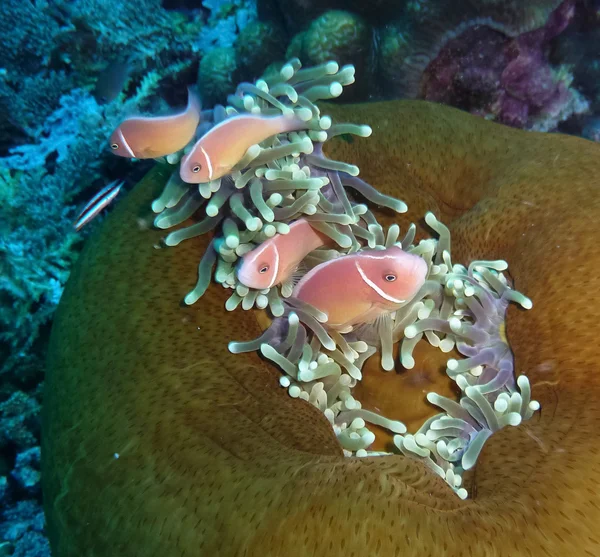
x: 199, y: 450
x: 490, y: 58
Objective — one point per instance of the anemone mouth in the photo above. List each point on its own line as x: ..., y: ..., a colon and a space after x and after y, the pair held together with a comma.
x: 459, y: 308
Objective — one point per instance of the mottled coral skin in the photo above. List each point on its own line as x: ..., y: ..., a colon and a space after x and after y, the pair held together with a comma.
x: 216, y: 459
x: 510, y: 79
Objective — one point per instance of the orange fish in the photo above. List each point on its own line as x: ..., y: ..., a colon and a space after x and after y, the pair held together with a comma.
x: 151, y: 137
x: 358, y: 288
x: 222, y: 147
x: 274, y: 261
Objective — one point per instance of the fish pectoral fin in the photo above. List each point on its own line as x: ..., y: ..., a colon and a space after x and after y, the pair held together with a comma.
x: 288, y: 285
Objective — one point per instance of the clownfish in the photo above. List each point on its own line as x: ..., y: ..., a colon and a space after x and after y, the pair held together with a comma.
x: 222, y: 147
x: 152, y: 137
x: 358, y: 288
x: 275, y: 260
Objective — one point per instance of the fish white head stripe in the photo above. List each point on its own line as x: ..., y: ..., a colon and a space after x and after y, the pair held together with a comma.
x: 208, y: 162
x: 276, y: 264
x: 126, y: 145
x: 372, y: 285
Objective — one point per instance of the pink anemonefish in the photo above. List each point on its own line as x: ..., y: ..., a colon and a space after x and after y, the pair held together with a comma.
x: 274, y: 261
x: 142, y: 137
x: 222, y: 147
x: 358, y: 288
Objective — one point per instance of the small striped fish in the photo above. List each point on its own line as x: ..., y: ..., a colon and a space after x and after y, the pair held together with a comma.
x: 97, y: 203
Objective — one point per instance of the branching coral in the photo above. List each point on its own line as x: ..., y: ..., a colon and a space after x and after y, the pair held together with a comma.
x: 37, y: 247
x: 50, y: 48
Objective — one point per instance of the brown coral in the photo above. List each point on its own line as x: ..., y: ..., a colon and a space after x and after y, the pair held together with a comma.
x: 157, y: 441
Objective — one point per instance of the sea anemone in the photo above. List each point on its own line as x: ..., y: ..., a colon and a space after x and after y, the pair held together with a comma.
x: 188, y: 448
x: 287, y: 177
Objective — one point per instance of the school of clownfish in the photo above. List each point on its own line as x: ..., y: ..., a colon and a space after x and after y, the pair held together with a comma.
x: 376, y: 282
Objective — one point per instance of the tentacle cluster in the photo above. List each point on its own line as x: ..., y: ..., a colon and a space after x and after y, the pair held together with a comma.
x: 465, y: 308
x: 287, y: 177
x: 456, y: 307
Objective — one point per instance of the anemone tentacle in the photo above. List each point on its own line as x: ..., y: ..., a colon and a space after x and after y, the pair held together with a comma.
x: 287, y: 177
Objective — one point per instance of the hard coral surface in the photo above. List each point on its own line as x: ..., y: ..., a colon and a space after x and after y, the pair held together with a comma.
x: 260, y: 473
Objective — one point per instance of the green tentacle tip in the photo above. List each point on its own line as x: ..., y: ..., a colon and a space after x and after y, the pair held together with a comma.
x: 158, y: 205
x: 365, y: 131
x: 431, y: 220
x: 335, y: 89
x: 332, y: 67
x: 191, y: 298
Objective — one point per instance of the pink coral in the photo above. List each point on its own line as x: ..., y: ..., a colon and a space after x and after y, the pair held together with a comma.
x: 509, y: 79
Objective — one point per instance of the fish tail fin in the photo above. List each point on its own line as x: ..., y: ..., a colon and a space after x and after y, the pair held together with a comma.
x: 194, y: 101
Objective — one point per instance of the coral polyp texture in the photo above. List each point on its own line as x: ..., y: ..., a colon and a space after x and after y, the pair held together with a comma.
x: 492, y: 61
x: 287, y: 177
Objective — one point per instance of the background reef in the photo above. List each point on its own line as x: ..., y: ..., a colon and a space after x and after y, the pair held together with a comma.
x: 70, y: 70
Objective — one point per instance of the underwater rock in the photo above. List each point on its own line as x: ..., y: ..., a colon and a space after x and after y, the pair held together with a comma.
x: 257, y: 45
x: 190, y: 440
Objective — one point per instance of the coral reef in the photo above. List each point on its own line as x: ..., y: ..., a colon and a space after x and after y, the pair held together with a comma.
x: 270, y: 465
x: 22, y: 530
x: 226, y: 19
x: 259, y: 44
x: 21, y: 518
x: 510, y: 80
x: 38, y: 243
x: 528, y: 64
x: 49, y: 50
x: 491, y: 58
x: 54, y: 137
x: 217, y: 74
x: 55, y: 59
x: 337, y: 35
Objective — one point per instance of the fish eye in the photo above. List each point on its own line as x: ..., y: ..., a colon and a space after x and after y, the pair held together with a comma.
x: 114, y: 146
x: 390, y: 277
x: 263, y: 269
x: 196, y: 168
